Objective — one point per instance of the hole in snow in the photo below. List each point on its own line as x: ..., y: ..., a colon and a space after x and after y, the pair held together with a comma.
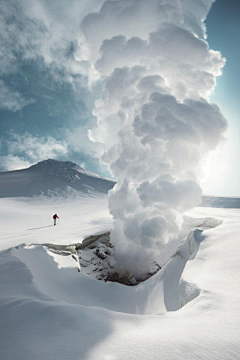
x: 163, y: 291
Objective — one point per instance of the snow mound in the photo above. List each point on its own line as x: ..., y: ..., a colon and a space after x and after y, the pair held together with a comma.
x: 51, y: 178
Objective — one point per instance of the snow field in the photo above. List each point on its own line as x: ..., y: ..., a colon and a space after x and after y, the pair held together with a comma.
x: 50, y: 311
x: 29, y: 220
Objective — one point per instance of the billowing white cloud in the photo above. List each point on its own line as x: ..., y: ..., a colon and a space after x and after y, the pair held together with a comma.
x: 46, y: 32
x: 12, y: 100
x: 11, y: 162
x: 25, y: 150
x: 37, y: 148
x: 79, y: 141
x: 153, y: 117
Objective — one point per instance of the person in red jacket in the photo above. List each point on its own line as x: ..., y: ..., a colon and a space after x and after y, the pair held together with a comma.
x: 55, y: 217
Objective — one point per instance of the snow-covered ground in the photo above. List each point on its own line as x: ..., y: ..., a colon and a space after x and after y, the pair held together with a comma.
x: 29, y: 220
x: 29, y: 198
x: 48, y: 310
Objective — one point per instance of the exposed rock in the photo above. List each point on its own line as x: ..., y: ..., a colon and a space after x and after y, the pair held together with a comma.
x: 96, y: 259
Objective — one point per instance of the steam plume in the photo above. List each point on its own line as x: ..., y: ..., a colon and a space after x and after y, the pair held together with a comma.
x: 154, y: 117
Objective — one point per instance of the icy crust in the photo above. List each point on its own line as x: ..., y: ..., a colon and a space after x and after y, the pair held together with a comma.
x: 52, y: 178
x: 176, y: 292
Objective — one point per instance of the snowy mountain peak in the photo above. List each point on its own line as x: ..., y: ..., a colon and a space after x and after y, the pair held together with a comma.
x: 52, y: 164
x: 63, y: 168
x: 52, y: 177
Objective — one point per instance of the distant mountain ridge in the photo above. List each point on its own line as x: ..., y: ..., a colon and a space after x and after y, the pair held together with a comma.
x: 52, y: 177
x: 60, y: 167
x: 221, y: 202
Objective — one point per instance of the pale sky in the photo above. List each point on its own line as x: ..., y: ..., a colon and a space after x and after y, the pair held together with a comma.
x: 224, y: 34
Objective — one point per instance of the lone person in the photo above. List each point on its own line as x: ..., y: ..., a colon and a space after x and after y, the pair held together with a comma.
x: 55, y: 217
